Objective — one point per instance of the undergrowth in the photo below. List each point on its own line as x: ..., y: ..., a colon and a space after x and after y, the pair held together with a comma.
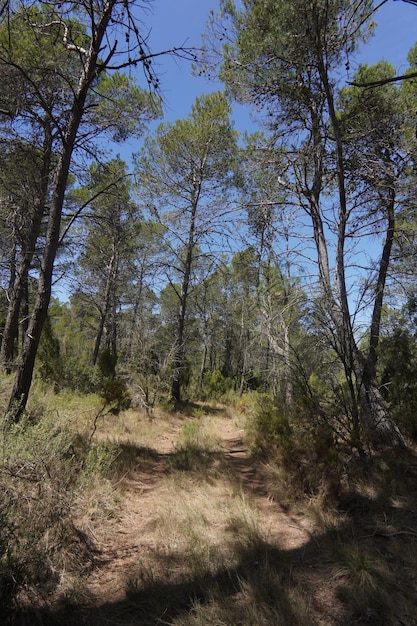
x: 215, y: 554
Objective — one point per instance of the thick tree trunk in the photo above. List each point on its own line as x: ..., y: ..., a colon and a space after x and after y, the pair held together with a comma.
x: 24, y: 374
x: 375, y: 417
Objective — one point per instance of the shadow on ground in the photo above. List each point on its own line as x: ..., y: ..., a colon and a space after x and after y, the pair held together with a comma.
x: 360, y: 572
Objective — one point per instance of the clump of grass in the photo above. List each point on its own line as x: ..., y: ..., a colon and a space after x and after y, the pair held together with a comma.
x: 198, y: 434
x: 366, y: 583
x: 38, y: 473
x: 198, y: 412
x: 109, y: 459
x: 197, y: 447
x: 244, y: 523
x: 190, y: 525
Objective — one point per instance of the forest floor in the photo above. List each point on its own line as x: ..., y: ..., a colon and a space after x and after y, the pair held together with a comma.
x: 155, y: 524
x: 198, y: 532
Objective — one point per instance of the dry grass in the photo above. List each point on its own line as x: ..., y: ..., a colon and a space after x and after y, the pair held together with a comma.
x: 167, y: 520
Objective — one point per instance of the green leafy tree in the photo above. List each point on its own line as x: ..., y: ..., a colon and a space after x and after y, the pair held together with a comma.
x: 86, y: 47
x: 284, y: 57
x: 103, y: 267
x: 185, y: 174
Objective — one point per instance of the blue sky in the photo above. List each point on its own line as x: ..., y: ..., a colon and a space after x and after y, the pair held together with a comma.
x: 181, y: 22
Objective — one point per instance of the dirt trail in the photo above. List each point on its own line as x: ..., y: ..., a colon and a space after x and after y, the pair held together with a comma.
x: 286, y: 529
x: 129, y: 543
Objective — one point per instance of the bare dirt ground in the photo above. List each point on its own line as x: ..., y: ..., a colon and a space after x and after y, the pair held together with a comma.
x: 133, y: 533
x: 142, y: 549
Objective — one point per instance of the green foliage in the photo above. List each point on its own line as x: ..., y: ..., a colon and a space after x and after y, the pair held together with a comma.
x: 398, y: 366
x: 50, y: 363
x: 301, y: 443
x: 107, y: 363
x: 124, y: 107
x: 215, y: 385
x: 79, y: 375
x: 38, y: 470
x: 267, y: 425
x: 115, y: 393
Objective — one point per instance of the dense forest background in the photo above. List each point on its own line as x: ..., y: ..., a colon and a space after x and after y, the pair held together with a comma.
x: 280, y: 261
x: 271, y: 271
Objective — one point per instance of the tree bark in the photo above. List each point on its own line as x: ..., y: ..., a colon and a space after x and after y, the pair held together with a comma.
x: 20, y: 283
x: 24, y: 374
x: 179, y: 339
x: 107, y: 306
x: 373, y: 412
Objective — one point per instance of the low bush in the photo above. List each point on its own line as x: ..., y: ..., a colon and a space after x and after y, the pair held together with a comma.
x: 38, y: 471
x: 302, y: 444
x: 46, y: 470
x: 267, y: 426
x: 215, y: 385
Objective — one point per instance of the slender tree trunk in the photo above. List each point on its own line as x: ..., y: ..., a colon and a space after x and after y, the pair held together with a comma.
x: 20, y: 284
x: 179, y: 339
x: 106, y: 308
x: 99, y: 337
x: 243, y: 371
x: 288, y: 387
x: 202, y: 366
x: 24, y: 374
x: 111, y: 326
x: 179, y: 345
x: 373, y: 412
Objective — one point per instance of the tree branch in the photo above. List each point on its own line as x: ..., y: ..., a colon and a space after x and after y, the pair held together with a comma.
x: 386, y: 81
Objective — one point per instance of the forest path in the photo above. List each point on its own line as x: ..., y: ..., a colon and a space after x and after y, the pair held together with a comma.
x: 161, y: 513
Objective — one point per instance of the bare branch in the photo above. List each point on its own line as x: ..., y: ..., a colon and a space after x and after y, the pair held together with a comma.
x: 386, y: 81
x: 68, y: 46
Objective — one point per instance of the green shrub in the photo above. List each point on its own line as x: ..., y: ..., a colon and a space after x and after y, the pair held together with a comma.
x: 115, y: 393
x: 38, y: 471
x: 215, y: 385
x: 80, y: 376
x: 107, y: 363
x: 268, y: 427
x: 50, y: 365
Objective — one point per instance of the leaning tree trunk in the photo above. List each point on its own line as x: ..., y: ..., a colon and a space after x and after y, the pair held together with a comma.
x: 373, y: 412
x: 375, y: 416
x: 24, y: 374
